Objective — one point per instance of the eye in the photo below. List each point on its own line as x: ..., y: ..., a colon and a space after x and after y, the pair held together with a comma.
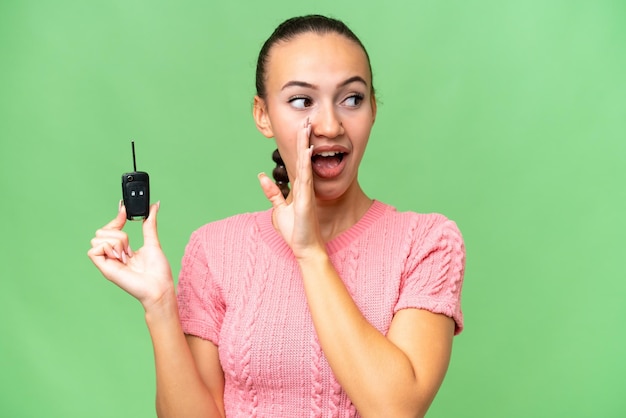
x: 300, y: 102
x: 354, y: 100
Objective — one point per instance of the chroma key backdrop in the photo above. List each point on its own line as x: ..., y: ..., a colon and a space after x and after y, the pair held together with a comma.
x: 507, y: 116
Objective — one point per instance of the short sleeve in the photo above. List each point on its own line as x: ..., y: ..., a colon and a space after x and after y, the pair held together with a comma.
x: 200, y: 303
x: 433, y: 274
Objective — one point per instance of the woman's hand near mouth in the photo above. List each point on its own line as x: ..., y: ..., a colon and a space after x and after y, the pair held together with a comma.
x: 296, y: 220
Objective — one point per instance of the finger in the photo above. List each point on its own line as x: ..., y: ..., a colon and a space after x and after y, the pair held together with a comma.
x: 271, y: 190
x: 304, y: 172
x: 111, y: 252
x: 109, y: 266
x: 119, y: 221
x: 118, y: 240
x: 303, y: 148
x: 112, y: 234
x: 150, y: 235
x: 110, y: 248
x: 102, y: 252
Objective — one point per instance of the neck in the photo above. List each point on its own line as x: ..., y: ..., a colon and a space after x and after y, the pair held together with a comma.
x: 337, y: 215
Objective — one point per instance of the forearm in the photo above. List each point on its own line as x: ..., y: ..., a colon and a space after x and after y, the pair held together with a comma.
x: 180, y: 389
x: 375, y: 373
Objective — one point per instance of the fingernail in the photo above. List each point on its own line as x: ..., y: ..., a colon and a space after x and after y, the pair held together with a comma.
x: 158, y: 204
x: 261, y: 174
x: 124, y: 258
x: 116, y: 254
x: 119, y: 205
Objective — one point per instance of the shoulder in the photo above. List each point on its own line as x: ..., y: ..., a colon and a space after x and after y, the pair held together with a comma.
x: 229, y: 230
x: 433, y: 265
x: 237, y: 222
x: 419, y: 226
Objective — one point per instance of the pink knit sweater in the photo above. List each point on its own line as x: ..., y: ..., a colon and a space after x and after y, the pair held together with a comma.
x: 240, y: 287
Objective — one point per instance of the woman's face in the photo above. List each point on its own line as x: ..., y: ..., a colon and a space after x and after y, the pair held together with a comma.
x: 325, y: 79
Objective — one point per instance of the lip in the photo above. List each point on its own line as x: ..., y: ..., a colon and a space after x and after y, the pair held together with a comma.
x: 334, y: 172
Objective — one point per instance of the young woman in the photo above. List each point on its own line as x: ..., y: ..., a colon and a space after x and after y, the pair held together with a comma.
x: 329, y: 304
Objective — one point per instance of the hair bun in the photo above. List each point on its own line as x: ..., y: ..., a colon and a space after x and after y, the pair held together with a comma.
x: 280, y: 173
x: 277, y: 158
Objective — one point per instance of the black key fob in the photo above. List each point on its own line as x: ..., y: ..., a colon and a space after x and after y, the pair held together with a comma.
x: 136, y: 192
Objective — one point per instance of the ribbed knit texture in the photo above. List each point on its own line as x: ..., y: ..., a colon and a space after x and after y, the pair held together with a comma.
x: 240, y: 287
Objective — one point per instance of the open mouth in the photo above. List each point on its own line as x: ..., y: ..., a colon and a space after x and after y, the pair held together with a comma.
x: 328, y: 158
x: 327, y: 164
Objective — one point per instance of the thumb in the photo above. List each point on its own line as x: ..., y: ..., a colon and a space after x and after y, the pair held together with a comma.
x: 271, y: 190
x: 150, y: 235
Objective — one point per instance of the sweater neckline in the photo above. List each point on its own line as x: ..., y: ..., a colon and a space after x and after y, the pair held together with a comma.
x: 278, y: 245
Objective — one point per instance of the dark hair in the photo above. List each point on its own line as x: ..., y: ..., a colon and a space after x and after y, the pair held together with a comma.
x: 280, y: 173
x: 295, y: 26
x: 286, y: 31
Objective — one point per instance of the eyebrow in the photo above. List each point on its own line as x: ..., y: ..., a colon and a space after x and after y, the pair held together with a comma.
x: 296, y: 83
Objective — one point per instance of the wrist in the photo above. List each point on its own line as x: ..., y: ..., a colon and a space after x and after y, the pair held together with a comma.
x: 314, y: 256
x: 164, y: 307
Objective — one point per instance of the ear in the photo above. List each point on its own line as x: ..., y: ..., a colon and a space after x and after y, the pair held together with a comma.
x: 374, y: 108
x: 261, y: 117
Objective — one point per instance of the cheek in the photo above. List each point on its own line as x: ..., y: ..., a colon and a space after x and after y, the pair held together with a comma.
x: 286, y: 143
x: 287, y: 123
x: 360, y: 133
x: 284, y: 123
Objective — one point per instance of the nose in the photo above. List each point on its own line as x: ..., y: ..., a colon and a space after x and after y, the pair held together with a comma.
x: 326, y: 123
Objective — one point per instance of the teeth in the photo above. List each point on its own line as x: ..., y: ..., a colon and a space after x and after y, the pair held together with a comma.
x: 328, y: 154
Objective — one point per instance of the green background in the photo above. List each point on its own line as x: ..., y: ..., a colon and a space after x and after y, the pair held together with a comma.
x: 507, y: 116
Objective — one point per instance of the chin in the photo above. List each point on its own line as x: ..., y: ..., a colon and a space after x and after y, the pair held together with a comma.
x: 330, y: 192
